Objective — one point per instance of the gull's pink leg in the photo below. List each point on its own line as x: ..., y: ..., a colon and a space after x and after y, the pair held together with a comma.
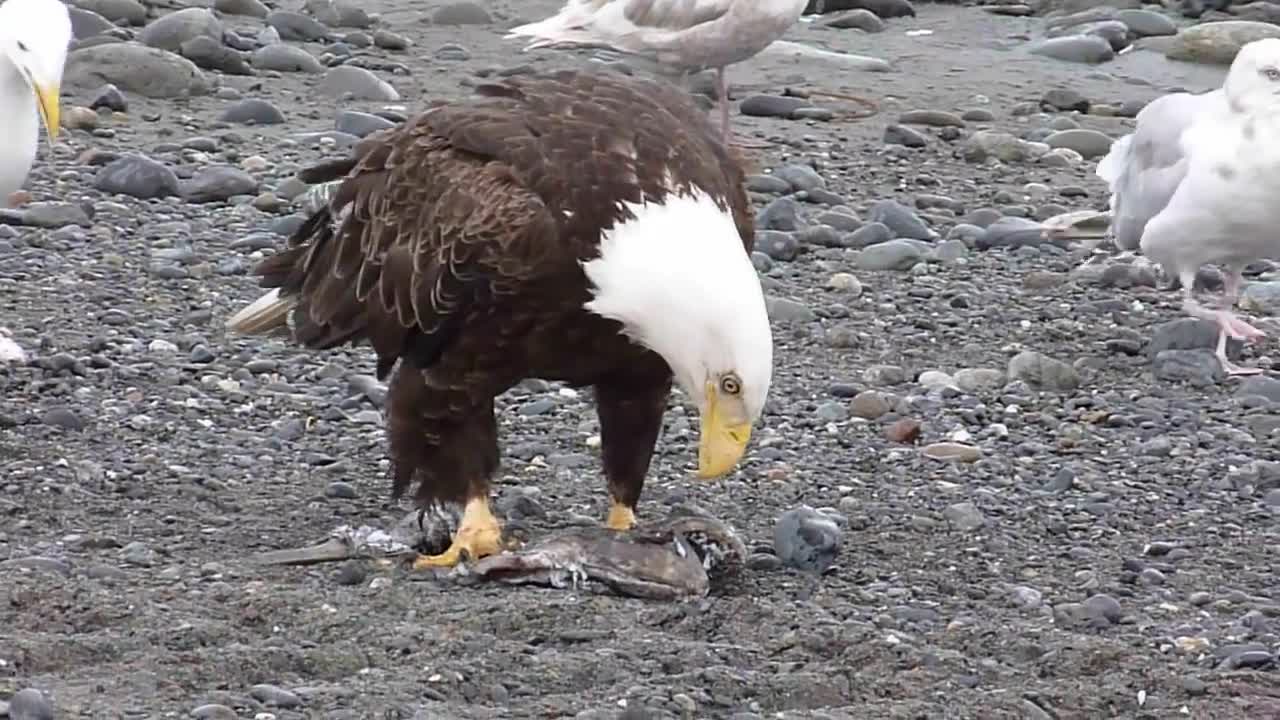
x: 1228, y: 325
x: 1229, y: 367
x: 722, y: 86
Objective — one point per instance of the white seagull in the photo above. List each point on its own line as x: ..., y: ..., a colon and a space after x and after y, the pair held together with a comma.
x: 686, y: 36
x: 34, y: 37
x: 1198, y: 183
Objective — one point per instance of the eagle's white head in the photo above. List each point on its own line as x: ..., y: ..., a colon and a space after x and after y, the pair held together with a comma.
x: 676, y: 276
x: 34, y: 37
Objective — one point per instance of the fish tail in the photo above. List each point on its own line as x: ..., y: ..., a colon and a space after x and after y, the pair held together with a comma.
x: 264, y: 315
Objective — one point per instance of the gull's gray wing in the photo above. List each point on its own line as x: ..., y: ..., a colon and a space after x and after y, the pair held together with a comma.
x: 1145, y: 167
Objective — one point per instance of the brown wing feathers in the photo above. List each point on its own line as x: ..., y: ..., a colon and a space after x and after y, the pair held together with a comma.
x: 466, y: 202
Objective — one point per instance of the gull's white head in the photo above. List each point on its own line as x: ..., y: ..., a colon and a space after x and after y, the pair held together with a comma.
x: 678, y: 279
x: 34, y: 36
x: 1254, y: 78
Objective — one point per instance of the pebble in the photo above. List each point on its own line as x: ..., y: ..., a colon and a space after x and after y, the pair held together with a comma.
x: 1043, y: 371
x: 347, y: 81
x: 252, y: 111
x: 1075, y: 48
x: 891, y: 255
x: 1089, y: 143
x: 806, y: 539
x: 274, y: 696
x: 460, y: 13
x: 965, y: 517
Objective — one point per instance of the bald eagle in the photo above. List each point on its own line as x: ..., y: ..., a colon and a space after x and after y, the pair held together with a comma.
x: 583, y: 227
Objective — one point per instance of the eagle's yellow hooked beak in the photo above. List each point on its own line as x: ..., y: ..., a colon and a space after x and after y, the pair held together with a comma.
x: 724, y: 433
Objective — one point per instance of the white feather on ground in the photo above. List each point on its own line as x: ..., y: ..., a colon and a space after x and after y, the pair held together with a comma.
x: 1198, y: 184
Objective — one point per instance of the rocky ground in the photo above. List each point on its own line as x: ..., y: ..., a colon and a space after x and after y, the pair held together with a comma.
x: 1051, y: 504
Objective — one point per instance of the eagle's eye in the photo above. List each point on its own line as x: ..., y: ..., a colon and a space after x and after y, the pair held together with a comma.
x: 1271, y: 73
x: 730, y: 385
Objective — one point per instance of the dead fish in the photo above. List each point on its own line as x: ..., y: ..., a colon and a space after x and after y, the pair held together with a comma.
x: 1076, y: 225
x: 674, y: 559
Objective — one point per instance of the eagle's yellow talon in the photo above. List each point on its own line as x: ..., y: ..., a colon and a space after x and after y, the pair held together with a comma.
x: 479, y: 535
x: 620, y: 517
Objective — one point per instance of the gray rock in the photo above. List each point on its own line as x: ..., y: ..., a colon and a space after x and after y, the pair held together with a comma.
x: 285, y: 58
x: 357, y: 83
x: 136, y: 68
x: 214, y: 711
x: 1146, y: 23
x: 783, y: 310
x: 800, y: 177
x: 273, y: 696
x: 1199, y: 368
x: 1260, y: 386
x: 965, y: 517
x: 127, y: 12
x: 217, y: 183
x: 1002, y: 146
x: 1040, y: 370
x: 211, y: 54
x: 1188, y: 333
x: 1011, y: 232
x: 905, y: 136
x: 902, y: 220
x: 972, y: 380
x: 360, y: 124
x: 461, y: 13
x: 169, y: 32
x: 252, y: 111
x: 30, y: 704
x: 87, y: 24
x: 1261, y: 297
x: 248, y: 8
x: 1217, y: 42
x: 1075, y: 48
x: 859, y: 18
x: 932, y: 118
x: 297, y: 27
x: 777, y: 244
x: 137, y: 176
x: 806, y: 539
x: 781, y: 214
x: 899, y: 254
x: 872, y: 233
x: 1089, y: 143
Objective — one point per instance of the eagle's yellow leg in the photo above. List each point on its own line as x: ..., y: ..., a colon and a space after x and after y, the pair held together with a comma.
x: 480, y: 534
x: 620, y: 517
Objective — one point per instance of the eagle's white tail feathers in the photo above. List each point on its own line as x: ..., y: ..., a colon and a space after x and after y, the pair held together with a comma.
x: 264, y: 315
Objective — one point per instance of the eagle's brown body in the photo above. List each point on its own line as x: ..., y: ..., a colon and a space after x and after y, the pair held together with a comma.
x: 454, y: 246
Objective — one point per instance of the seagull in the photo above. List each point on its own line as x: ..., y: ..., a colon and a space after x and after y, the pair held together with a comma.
x: 1197, y: 183
x: 686, y: 36
x: 34, y: 37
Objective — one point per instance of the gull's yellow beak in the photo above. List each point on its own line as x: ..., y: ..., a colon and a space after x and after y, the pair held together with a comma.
x: 47, y: 97
x: 723, y: 435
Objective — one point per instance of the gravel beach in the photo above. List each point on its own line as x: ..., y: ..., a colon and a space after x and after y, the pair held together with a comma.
x: 1048, y: 501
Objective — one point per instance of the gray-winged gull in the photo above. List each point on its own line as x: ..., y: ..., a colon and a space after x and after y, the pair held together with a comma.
x: 1198, y: 183
x: 683, y: 35
x: 34, y: 35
